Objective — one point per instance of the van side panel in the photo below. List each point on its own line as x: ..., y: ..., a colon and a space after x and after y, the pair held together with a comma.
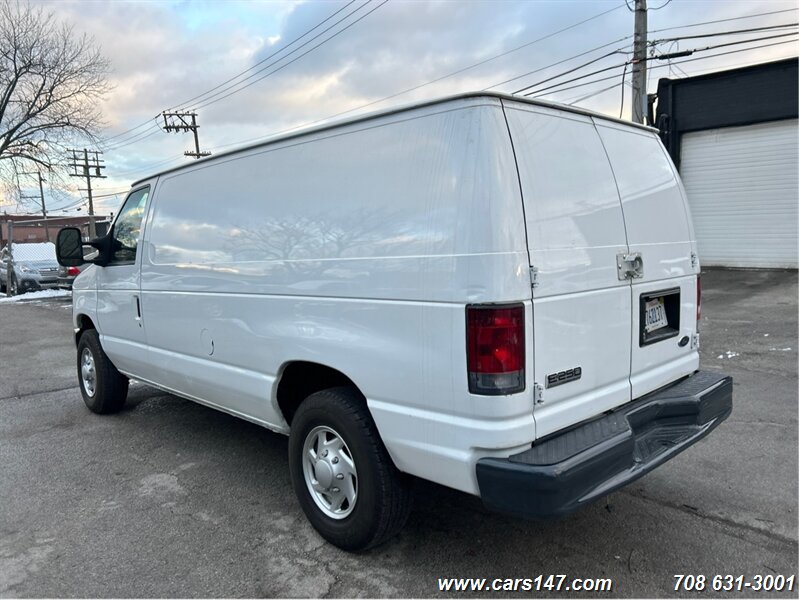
x: 358, y: 248
x: 575, y: 230
x: 658, y: 227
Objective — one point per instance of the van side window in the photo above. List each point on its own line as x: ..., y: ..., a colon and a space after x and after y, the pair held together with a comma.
x: 125, y: 235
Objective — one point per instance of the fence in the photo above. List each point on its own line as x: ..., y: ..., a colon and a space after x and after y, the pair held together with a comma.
x: 27, y: 253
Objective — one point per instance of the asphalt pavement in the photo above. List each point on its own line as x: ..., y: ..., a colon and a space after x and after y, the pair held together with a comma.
x: 169, y: 498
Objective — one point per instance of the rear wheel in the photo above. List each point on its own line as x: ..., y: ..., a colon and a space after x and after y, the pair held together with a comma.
x: 103, y: 387
x: 342, y: 475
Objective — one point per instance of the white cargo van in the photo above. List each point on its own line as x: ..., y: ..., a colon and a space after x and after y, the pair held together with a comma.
x: 492, y: 293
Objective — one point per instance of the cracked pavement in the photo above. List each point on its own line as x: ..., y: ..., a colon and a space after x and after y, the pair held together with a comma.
x: 169, y: 498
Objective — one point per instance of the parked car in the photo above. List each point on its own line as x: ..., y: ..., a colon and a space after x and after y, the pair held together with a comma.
x: 496, y: 294
x: 34, y: 267
x: 67, y: 275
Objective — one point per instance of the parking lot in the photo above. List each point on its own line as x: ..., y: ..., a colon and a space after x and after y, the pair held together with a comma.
x: 169, y: 498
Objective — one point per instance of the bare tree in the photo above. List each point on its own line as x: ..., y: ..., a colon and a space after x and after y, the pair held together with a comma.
x: 51, y: 81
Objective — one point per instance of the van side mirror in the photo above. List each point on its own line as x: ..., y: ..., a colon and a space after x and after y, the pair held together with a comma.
x: 69, y: 247
x: 71, y: 251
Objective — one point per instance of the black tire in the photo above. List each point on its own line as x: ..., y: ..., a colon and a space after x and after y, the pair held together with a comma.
x: 383, y: 500
x: 110, y: 386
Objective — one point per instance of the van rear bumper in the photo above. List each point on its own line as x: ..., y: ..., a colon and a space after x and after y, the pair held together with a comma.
x: 569, y: 469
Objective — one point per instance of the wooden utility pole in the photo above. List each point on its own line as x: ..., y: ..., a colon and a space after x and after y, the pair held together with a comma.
x: 639, y: 103
x: 44, y: 208
x: 184, y: 121
x: 89, y: 168
x: 41, y: 199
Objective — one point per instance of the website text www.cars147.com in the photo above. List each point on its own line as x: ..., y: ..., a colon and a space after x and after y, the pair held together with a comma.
x: 554, y: 583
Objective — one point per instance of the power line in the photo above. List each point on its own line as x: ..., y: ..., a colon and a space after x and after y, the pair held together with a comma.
x: 432, y: 81
x: 111, y: 191
x: 276, y: 61
x: 148, y: 167
x: 109, y: 195
x: 260, y: 62
x: 619, y: 66
x: 154, y: 118
x: 735, y: 43
x: 623, y: 75
x: 118, y: 135
x: 414, y: 88
x: 721, y: 33
x: 601, y: 79
x: 581, y: 98
x: 209, y: 101
x: 274, y: 133
x: 567, y: 60
x: 665, y: 66
x: 664, y: 5
x: 657, y: 57
x: 572, y: 70
x: 372, y: 103
x: 70, y: 205
x: 483, y: 62
x: 684, y: 26
x: 773, y: 12
x: 133, y: 139
x: 715, y: 69
x: 463, y: 69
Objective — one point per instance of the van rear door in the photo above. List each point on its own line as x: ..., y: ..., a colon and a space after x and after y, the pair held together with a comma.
x: 575, y: 230
x: 661, y: 259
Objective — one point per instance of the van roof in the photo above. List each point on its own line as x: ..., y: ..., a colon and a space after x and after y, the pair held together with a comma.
x: 397, y: 109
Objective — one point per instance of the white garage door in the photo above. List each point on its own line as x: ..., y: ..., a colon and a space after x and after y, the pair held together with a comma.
x: 743, y: 189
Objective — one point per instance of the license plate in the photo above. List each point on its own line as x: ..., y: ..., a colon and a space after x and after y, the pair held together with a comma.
x: 655, y: 315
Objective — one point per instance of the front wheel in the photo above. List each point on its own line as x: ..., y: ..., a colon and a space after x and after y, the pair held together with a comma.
x: 342, y: 475
x: 103, y: 387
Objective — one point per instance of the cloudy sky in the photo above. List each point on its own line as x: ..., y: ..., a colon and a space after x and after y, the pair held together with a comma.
x: 167, y: 54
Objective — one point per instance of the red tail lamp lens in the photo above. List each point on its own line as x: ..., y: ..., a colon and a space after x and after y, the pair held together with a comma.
x: 495, y: 349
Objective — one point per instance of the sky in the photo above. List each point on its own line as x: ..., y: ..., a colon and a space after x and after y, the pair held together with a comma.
x: 163, y: 54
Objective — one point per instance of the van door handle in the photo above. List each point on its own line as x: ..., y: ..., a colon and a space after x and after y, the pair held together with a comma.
x: 138, y: 309
x: 630, y: 265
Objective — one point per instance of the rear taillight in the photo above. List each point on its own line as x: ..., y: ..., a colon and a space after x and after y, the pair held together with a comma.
x: 73, y: 271
x: 698, y: 300
x: 495, y: 349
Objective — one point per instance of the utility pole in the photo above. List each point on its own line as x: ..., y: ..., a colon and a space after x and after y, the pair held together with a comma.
x: 639, y: 63
x: 90, y: 168
x: 184, y: 121
x: 41, y: 198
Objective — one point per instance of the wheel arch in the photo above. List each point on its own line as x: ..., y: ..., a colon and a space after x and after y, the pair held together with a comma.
x: 83, y: 323
x: 299, y: 379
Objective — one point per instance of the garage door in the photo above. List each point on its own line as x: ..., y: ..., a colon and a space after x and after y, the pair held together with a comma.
x: 743, y: 189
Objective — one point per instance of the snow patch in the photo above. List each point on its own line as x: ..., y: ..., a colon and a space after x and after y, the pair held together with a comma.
x: 37, y: 295
x: 729, y: 354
